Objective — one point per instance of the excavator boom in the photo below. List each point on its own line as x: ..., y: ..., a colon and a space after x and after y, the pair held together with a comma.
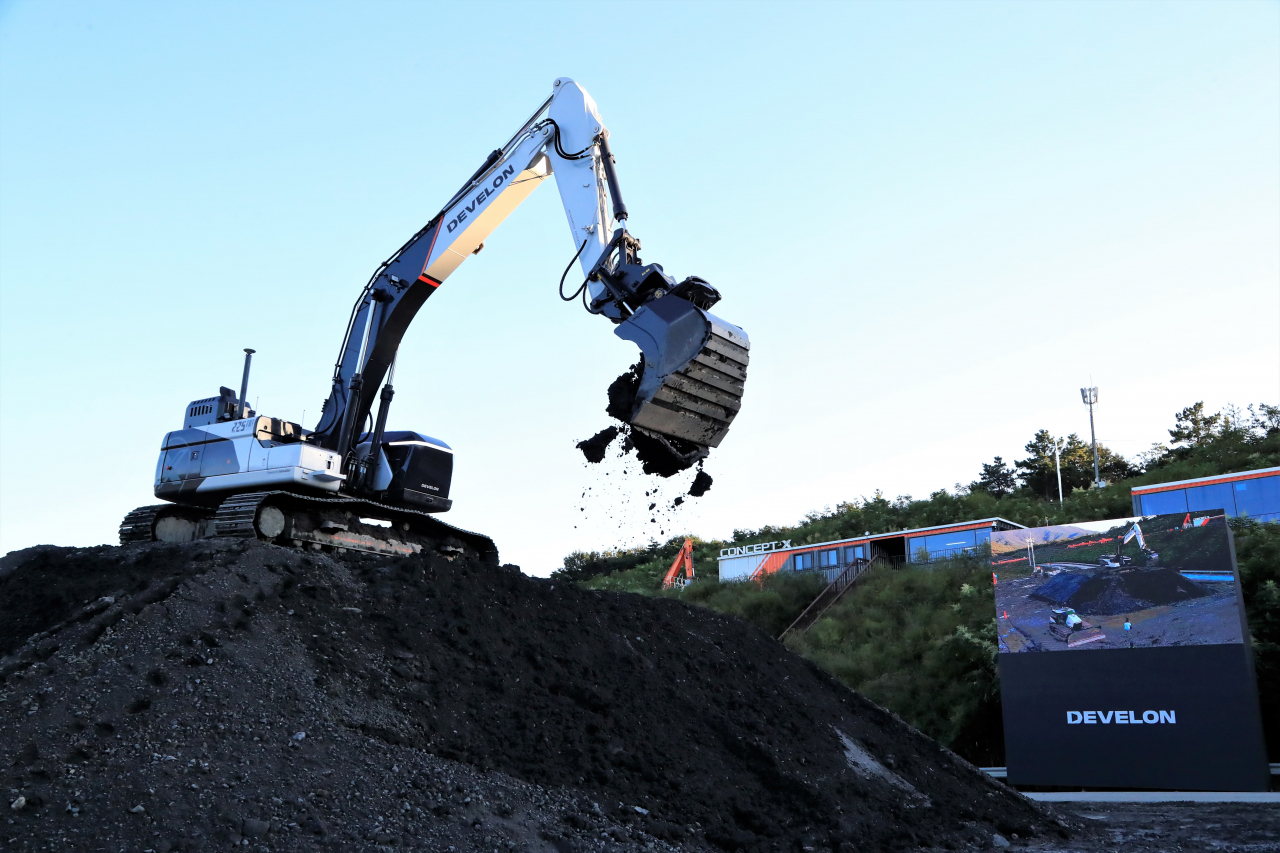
x: 682, y: 562
x: 694, y: 364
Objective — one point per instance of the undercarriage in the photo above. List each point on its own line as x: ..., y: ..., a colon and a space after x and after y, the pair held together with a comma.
x: 331, y: 524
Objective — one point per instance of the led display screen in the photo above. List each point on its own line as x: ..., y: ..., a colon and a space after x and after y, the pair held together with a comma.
x: 1150, y: 582
x: 1156, y: 687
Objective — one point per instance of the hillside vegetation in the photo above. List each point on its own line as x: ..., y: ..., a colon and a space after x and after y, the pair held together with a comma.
x: 921, y: 640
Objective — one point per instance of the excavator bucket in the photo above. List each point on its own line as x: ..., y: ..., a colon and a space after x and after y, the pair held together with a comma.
x: 695, y: 365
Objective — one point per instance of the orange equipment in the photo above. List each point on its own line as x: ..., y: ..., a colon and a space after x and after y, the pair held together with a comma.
x: 683, y: 560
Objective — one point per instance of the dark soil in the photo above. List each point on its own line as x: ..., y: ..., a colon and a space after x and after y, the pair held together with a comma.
x: 1126, y: 590
x: 1160, y: 586
x: 594, y: 448
x: 655, y: 457
x: 248, y: 692
x: 700, y: 484
x: 622, y: 393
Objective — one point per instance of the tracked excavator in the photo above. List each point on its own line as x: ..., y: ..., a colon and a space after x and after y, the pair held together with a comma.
x: 353, y: 484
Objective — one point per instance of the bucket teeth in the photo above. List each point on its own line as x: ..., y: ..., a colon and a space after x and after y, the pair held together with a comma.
x: 698, y: 402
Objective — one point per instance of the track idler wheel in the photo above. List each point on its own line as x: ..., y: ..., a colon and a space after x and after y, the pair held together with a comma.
x: 166, y: 523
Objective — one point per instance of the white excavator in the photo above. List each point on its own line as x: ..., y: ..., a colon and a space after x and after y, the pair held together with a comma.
x: 352, y: 484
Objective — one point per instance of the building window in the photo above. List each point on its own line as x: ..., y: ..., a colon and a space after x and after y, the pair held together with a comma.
x: 942, y: 545
x: 854, y: 552
x: 827, y: 559
x: 803, y: 561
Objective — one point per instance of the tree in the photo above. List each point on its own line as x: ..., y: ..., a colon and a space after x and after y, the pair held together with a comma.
x: 997, y: 479
x: 1194, y: 428
x: 1076, y: 458
x: 1039, y: 472
x: 1150, y: 459
x: 1265, y: 421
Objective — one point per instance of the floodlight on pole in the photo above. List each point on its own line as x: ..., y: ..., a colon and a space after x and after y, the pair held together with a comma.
x: 1090, y: 396
x: 1057, y: 464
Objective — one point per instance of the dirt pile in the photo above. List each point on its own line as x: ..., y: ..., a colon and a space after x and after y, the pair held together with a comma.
x: 1112, y: 592
x: 165, y: 697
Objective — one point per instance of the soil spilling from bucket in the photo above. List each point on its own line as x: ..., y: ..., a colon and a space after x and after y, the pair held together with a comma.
x: 654, y: 455
x: 177, y: 697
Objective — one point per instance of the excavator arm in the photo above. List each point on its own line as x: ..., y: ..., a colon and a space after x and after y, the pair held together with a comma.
x: 682, y: 563
x: 694, y: 364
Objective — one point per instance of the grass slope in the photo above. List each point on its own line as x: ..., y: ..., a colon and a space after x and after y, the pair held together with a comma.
x: 921, y: 640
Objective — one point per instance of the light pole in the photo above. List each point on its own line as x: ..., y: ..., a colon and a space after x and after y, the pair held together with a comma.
x: 1057, y: 464
x: 1090, y: 396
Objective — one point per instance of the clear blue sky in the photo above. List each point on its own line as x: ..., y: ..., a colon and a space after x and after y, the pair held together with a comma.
x: 936, y: 221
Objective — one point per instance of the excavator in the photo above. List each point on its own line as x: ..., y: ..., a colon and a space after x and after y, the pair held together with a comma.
x: 353, y: 484
x: 682, y: 563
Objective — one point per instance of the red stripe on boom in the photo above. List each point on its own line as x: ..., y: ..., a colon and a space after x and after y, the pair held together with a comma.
x: 426, y: 279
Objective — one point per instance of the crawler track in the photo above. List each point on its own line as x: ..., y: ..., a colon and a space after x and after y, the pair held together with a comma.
x: 285, y: 518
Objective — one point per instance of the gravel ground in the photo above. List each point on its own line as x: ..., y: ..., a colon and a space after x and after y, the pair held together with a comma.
x: 1168, y: 827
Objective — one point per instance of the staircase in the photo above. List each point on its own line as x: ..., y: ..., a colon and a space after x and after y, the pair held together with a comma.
x: 828, y: 597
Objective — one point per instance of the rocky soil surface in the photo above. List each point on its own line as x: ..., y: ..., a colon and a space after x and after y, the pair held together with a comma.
x: 196, y: 697
x: 1171, y: 827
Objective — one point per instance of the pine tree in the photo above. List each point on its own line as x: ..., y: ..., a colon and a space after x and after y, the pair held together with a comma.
x: 1194, y: 428
x: 997, y: 479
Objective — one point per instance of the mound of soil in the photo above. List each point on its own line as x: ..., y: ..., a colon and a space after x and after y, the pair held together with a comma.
x: 1119, y: 591
x: 231, y: 692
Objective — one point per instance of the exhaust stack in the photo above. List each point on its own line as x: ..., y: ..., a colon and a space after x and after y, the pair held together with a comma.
x: 244, y: 382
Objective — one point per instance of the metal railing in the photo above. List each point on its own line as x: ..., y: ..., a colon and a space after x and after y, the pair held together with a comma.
x: 944, y: 554
x: 828, y: 596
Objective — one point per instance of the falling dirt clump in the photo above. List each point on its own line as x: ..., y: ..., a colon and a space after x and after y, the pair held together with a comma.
x: 304, y: 702
x: 700, y: 485
x: 654, y: 456
x: 622, y: 392
x: 594, y: 448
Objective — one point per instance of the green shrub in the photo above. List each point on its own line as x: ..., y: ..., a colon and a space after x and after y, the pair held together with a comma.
x: 920, y: 640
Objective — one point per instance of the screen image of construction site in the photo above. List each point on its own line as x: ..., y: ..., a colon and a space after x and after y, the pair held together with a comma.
x: 1152, y: 582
